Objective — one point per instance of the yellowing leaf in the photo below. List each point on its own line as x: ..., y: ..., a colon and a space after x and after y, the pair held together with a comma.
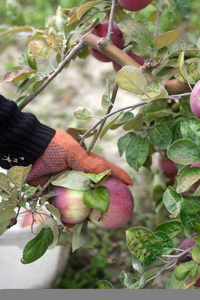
x: 81, y: 10
x: 18, y: 174
x: 166, y: 39
x: 17, y: 30
x: 131, y: 79
x: 40, y: 48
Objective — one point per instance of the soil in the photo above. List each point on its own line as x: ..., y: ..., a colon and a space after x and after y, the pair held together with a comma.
x: 83, y: 84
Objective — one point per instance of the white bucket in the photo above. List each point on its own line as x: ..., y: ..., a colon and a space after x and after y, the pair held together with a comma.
x: 36, y: 275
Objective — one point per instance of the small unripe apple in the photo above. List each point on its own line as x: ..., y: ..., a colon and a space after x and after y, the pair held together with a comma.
x: 140, y: 60
x: 134, y: 5
x: 167, y: 166
x: 70, y: 204
x: 186, y: 244
x: 195, y: 100
x: 121, y: 205
x: 101, y: 30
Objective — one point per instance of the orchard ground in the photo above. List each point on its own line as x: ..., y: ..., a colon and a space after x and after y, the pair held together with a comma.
x: 83, y: 84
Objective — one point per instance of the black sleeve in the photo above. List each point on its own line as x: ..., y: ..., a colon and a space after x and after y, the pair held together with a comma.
x: 23, y: 139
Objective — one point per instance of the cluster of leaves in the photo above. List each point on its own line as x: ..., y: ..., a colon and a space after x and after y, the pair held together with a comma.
x: 163, y: 124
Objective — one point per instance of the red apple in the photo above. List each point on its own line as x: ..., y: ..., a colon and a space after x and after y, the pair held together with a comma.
x: 121, y: 205
x: 101, y: 30
x: 140, y: 60
x: 70, y: 204
x: 187, y: 243
x: 167, y: 166
x: 134, y: 5
x: 195, y: 100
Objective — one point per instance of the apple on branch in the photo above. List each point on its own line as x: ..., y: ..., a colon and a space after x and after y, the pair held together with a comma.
x: 195, y: 100
x: 70, y: 204
x: 167, y: 166
x: 134, y: 5
x: 101, y: 30
x: 121, y: 205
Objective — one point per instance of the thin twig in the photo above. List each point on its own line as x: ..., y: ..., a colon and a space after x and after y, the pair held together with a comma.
x: 168, y: 265
x: 114, y: 93
x: 110, y: 26
x: 160, y: 10
x: 61, y: 66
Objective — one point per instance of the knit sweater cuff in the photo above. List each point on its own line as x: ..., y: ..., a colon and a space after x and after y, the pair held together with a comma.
x: 23, y: 139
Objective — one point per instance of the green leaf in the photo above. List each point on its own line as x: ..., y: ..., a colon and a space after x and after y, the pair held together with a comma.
x: 143, y: 243
x: 188, y: 215
x: 105, y: 285
x: 109, y: 124
x: 138, y: 33
x: 6, y: 214
x: 105, y: 101
x: 125, y: 280
x: 4, y: 185
x: 53, y: 225
x: 123, y: 120
x: 190, y: 130
x: 187, y: 178
x: 196, y: 253
x: 72, y: 179
x: 166, y: 39
x: 172, y: 200
x: 184, y: 7
x: 31, y: 60
x: 123, y: 142
x: 82, y: 113
x: 18, y: 175
x: 53, y: 210
x: 97, y: 198
x: 131, y: 79
x: 79, y: 235
x: 171, y: 228
x: 137, y: 265
x: 15, y: 12
x: 184, y: 152
x: 97, y: 177
x: 137, y: 151
x: 160, y: 136
x: 135, y: 123
x: 184, y: 276
x: 36, y: 247
x: 166, y: 241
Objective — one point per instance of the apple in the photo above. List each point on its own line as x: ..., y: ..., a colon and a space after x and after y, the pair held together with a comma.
x: 70, y: 204
x: 29, y: 217
x: 134, y: 5
x: 195, y: 100
x: 187, y: 243
x: 167, y: 166
x: 121, y: 205
x: 101, y: 30
x: 137, y: 58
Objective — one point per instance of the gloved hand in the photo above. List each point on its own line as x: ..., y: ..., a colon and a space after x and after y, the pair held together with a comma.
x: 64, y: 151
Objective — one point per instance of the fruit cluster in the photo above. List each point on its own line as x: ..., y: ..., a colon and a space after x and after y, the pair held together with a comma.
x: 73, y: 210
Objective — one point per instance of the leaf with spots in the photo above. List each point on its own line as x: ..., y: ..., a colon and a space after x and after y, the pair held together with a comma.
x: 144, y: 244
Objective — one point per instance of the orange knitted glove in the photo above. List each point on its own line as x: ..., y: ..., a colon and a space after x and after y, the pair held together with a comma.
x: 64, y: 151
